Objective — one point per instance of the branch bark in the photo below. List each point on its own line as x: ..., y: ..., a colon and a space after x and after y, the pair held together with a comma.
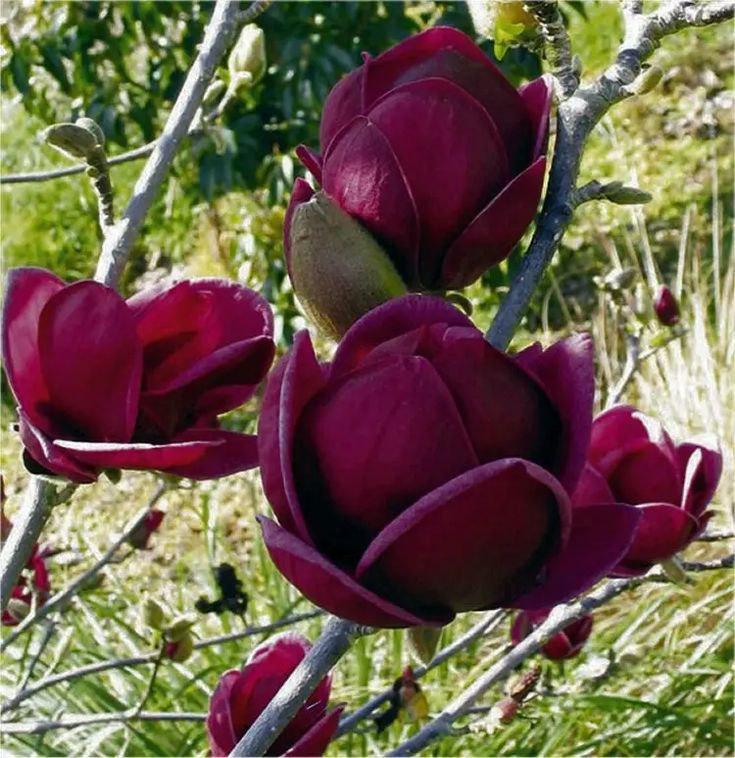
x: 560, y: 617
x: 92, y: 719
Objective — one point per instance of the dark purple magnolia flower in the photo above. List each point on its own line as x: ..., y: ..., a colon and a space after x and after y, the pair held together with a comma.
x: 34, y: 580
x: 564, y: 644
x: 666, y: 307
x: 140, y: 538
x: 434, y: 152
x: 633, y: 460
x: 423, y: 472
x: 103, y: 382
x: 241, y: 696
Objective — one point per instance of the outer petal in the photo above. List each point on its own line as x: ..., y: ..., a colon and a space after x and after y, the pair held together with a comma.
x: 469, y: 544
x: 344, y: 102
x: 372, y: 444
x: 700, y: 482
x: 449, y: 54
x: 592, y: 488
x: 394, y: 318
x: 49, y: 457
x: 222, y: 737
x: 599, y: 538
x: 91, y: 360
x: 566, y: 372
x: 332, y: 589
x: 296, y: 379
x: 315, y: 741
x: 468, y: 161
x: 137, y: 455
x: 536, y: 96
x: 505, y: 412
x: 663, y: 531
x: 363, y: 176
x: 302, y: 191
x: 27, y: 291
x: 233, y: 453
x: 645, y: 476
x: 559, y: 647
x: 495, y: 230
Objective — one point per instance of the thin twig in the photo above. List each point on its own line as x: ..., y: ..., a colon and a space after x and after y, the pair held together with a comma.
x: 120, y: 663
x: 576, y: 117
x: 62, y: 598
x: 487, y: 624
x: 560, y: 617
x: 91, y: 719
x: 715, y: 536
x: 632, y: 360
x: 333, y: 643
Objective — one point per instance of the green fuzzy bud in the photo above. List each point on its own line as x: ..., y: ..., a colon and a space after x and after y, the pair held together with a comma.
x: 72, y: 140
x: 18, y: 609
x: 153, y: 615
x: 248, y: 55
x: 338, y: 271
x: 182, y: 649
x: 93, y: 128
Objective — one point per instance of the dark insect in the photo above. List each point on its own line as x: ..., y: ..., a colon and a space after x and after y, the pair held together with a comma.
x: 232, y: 596
x: 406, y: 693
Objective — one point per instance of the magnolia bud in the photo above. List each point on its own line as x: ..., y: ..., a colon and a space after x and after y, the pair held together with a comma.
x: 180, y: 650
x: 506, y: 22
x: 17, y: 608
x: 666, y: 307
x: 72, y: 140
x: 338, y: 271
x: 180, y: 628
x: 248, y: 55
x: 93, y: 128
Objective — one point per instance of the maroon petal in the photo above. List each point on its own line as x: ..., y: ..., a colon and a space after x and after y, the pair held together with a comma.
x: 344, y: 102
x: 137, y: 455
x: 232, y: 453
x: 536, y: 96
x: 645, y: 476
x: 311, y: 160
x: 520, y: 629
x: 623, y: 430
x: 376, y: 441
x: 315, y: 741
x: 447, y: 53
x: 468, y: 161
x: 566, y: 372
x: 559, y: 647
x: 495, y: 230
x: 49, y: 456
x: 91, y: 360
x: 392, y: 319
x: 702, y: 466
x: 220, y: 730
x: 505, y: 412
x: 182, y: 325
x: 363, y: 176
x: 599, y: 538
x: 663, y: 531
x: 466, y: 545
x: 329, y: 587
x: 300, y: 194
x: 592, y: 488
x: 27, y: 291
x: 296, y: 379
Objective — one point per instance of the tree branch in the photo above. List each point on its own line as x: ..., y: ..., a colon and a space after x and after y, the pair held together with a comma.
x: 559, y: 617
x: 576, y: 117
x: 91, y: 719
x: 333, y: 643
x: 119, y: 663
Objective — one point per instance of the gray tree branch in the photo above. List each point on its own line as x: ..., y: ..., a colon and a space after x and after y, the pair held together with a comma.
x: 74, y: 721
x: 560, y: 617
